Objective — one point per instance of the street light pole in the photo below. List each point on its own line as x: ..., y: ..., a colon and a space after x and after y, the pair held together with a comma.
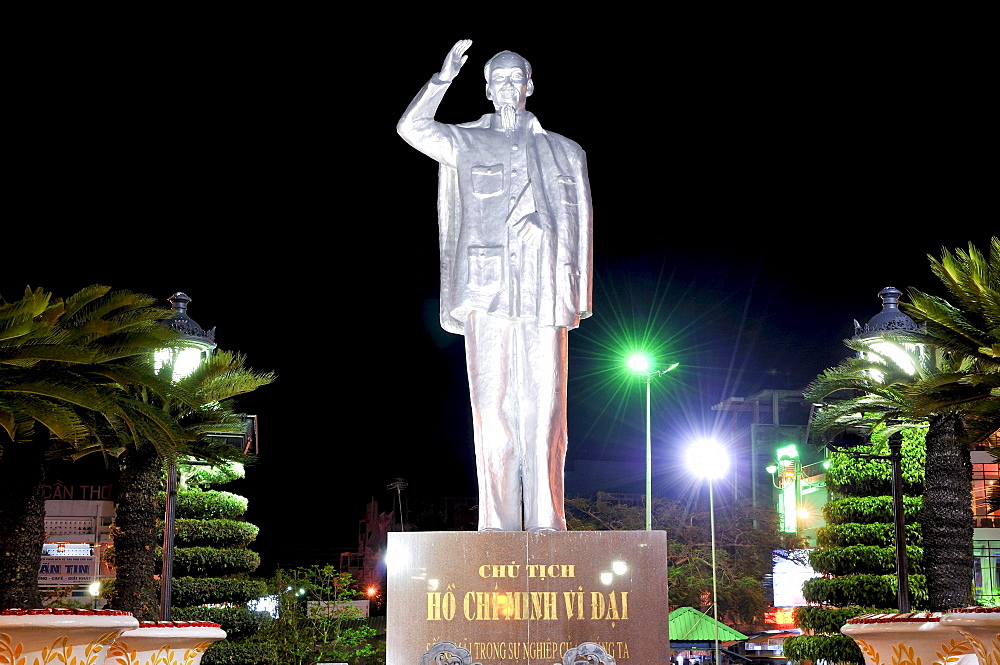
x: 640, y: 364
x: 649, y: 458
x: 715, y: 590
x: 710, y: 459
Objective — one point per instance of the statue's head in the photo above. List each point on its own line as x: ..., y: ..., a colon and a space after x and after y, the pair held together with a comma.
x: 508, y: 80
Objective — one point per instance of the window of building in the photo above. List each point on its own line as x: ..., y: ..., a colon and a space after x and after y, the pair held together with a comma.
x: 986, y: 555
x: 984, y: 477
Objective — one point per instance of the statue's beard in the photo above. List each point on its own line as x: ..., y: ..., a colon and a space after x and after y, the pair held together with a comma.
x: 508, y: 117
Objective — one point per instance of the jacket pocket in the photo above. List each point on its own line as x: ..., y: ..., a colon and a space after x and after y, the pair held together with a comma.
x: 485, y: 268
x: 487, y: 181
x: 567, y: 187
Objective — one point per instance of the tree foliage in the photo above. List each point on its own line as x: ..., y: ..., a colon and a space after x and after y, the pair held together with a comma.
x: 201, y: 404
x: 315, y: 621
x: 70, y: 370
x: 745, y: 541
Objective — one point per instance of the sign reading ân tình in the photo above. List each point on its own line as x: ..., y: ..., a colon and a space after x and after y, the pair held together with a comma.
x: 517, y: 597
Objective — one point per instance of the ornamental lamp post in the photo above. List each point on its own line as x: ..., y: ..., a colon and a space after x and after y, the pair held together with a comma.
x: 181, y: 361
x: 640, y: 364
x: 905, y: 355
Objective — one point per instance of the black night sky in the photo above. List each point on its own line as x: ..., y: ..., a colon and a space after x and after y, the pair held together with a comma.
x: 752, y: 192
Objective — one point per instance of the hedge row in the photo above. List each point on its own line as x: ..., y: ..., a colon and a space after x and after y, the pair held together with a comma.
x: 214, y: 533
x: 826, y: 648
x: 878, y: 590
x: 236, y: 621
x: 871, y: 509
x: 190, y: 591
x: 853, y: 559
x: 211, y: 562
x: 206, y: 505
x: 829, y: 620
x: 240, y: 653
x: 880, y: 534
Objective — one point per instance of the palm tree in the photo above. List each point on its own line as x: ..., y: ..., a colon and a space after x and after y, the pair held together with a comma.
x: 65, y: 368
x: 961, y: 403
x: 201, y: 405
x: 952, y: 391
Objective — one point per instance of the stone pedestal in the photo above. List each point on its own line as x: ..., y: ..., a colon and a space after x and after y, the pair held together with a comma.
x: 528, y: 597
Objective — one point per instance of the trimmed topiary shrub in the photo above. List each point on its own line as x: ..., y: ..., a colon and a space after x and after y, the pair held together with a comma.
x: 214, y: 533
x: 857, y: 552
x: 190, y: 591
x: 212, y: 563
x: 862, y: 559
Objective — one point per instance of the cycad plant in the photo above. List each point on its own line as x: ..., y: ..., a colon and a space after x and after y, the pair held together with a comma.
x: 69, y: 372
x: 201, y: 404
x: 951, y: 390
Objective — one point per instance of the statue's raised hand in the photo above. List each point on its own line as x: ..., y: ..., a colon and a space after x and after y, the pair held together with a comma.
x: 456, y: 58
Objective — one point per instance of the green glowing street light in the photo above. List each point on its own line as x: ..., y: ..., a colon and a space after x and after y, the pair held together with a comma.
x: 710, y: 459
x: 641, y: 364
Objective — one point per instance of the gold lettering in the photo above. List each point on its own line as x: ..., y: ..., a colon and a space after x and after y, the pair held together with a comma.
x: 434, y: 607
x: 486, y: 571
x: 573, y: 601
x: 597, y: 605
x: 612, y: 607
x: 543, y: 605
x: 440, y: 606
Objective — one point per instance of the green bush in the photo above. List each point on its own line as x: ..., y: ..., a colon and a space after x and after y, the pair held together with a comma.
x: 208, y: 561
x: 206, y: 505
x: 871, y: 509
x: 236, y: 621
x: 828, y: 648
x: 214, y: 533
x: 241, y: 653
x: 880, y: 534
x: 866, y: 590
x: 852, y: 476
x: 815, y: 619
x: 854, y: 559
x: 189, y: 591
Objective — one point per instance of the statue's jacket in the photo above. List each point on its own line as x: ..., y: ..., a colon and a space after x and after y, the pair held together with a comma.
x: 491, y: 183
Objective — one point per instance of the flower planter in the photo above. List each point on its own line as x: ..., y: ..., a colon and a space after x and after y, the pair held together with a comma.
x: 981, y: 625
x: 165, y: 643
x: 60, y: 637
x: 913, y: 638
